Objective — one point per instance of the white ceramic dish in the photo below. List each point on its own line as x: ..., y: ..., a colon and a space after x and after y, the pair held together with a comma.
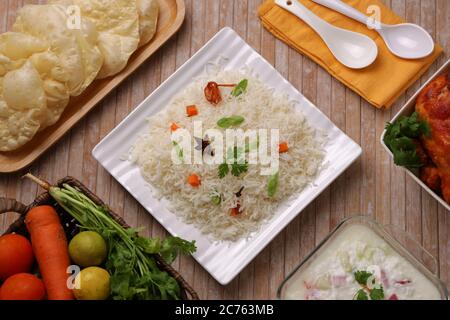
x: 223, y: 260
x: 407, y: 110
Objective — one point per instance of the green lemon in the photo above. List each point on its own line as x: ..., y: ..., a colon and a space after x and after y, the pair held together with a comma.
x: 92, y: 284
x: 87, y: 249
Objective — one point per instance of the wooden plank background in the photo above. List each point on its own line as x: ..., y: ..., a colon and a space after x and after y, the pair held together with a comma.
x: 372, y: 186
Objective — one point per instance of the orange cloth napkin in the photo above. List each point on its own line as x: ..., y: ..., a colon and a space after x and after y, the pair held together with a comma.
x: 380, y: 83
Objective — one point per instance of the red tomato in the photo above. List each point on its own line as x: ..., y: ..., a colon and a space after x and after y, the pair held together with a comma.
x: 16, y: 255
x: 22, y: 286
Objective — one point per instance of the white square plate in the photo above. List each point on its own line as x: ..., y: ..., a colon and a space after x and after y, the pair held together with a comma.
x: 223, y: 260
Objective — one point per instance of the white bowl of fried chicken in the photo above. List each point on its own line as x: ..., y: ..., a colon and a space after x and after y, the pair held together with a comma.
x: 418, y: 137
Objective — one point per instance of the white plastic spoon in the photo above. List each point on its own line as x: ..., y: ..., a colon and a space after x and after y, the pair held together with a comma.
x: 405, y: 40
x: 352, y: 49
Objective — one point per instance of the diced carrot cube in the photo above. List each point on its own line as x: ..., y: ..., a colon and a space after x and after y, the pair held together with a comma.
x: 174, y: 127
x: 191, y: 111
x: 194, y: 180
x: 283, y: 147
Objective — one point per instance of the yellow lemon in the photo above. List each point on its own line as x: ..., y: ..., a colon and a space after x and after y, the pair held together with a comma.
x: 88, y: 249
x: 92, y: 284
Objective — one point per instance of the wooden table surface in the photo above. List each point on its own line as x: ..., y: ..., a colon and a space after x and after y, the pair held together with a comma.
x: 372, y: 186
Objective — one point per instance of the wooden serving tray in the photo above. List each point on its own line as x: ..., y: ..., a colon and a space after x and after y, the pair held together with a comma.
x: 171, y: 17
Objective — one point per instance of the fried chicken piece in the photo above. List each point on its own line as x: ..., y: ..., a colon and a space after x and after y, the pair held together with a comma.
x: 433, y: 106
x: 430, y: 176
x: 421, y: 152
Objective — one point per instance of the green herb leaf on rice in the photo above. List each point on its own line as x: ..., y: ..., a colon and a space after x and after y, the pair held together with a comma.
x: 216, y: 200
x: 272, y: 184
x: 251, y: 146
x: 228, y: 122
x: 235, y: 156
x: 223, y: 170
x: 178, y: 150
x: 238, y: 168
x: 240, y: 88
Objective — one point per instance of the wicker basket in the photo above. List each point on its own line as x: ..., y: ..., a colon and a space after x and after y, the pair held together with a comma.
x: 70, y: 226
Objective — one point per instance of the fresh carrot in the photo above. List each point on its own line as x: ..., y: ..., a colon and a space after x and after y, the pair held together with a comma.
x: 50, y: 248
x: 283, y: 147
x: 174, y: 127
x: 194, y: 180
x: 191, y: 111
